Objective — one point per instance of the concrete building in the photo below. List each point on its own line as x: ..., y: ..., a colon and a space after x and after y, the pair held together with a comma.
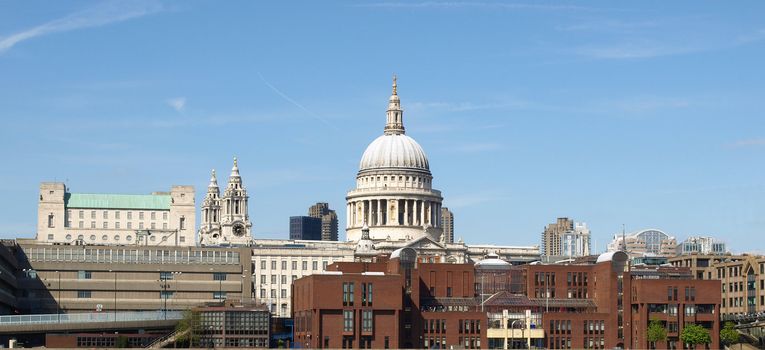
x: 565, y: 238
x: 75, y: 278
x: 305, y: 228
x: 8, y: 282
x: 701, y: 245
x: 157, y: 219
x: 394, y: 194
x: 226, y: 220
x: 639, y: 243
x: 447, y: 223
x: 328, y: 220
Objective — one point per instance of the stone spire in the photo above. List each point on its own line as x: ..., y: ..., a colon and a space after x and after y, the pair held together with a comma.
x: 395, y: 122
x: 213, y: 186
x: 234, y: 178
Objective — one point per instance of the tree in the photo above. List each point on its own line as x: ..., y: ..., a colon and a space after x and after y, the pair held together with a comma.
x: 656, y: 332
x: 728, y: 335
x: 694, y: 334
x: 185, y: 328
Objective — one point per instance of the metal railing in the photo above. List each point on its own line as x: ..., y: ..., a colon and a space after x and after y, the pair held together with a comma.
x: 91, y: 317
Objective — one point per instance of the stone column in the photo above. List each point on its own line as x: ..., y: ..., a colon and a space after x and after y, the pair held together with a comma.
x: 422, y: 213
x: 406, y: 212
x: 379, y: 212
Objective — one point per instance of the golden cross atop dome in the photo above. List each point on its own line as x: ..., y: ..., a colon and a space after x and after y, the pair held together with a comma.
x: 394, y: 84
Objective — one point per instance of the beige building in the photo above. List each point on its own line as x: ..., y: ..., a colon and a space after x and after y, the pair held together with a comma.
x: 648, y: 242
x: 157, y: 219
x: 75, y: 278
x: 447, y: 223
x: 565, y: 238
x: 742, y: 279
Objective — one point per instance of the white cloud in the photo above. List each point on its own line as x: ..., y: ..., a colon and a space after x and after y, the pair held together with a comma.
x: 103, y: 14
x: 748, y: 143
x: 178, y: 103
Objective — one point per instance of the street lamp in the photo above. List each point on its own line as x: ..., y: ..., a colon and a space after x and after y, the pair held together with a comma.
x: 241, y: 286
x: 58, y: 304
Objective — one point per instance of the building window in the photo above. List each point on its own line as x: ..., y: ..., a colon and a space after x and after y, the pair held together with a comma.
x: 262, y: 264
x: 92, y: 224
x: 284, y: 279
x: 129, y: 225
x: 347, y: 320
x: 294, y: 265
x: 84, y: 275
x: 117, y: 214
x: 182, y: 223
x: 92, y: 214
x: 182, y: 239
x: 348, y: 293
x: 305, y: 265
x: 84, y: 294
x: 92, y: 237
x: 164, y: 215
x: 51, y: 220
x: 140, y: 215
x: 154, y: 215
x: 284, y: 293
x: 153, y: 226
x: 81, y: 224
x: 366, y: 321
x: 105, y: 225
x: 219, y: 276
x: 106, y: 214
x: 166, y: 294
x: 315, y: 265
x: 117, y: 225
x: 273, y: 265
x: 324, y: 265
x: 273, y: 279
x: 262, y: 292
x: 140, y: 225
x: 104, y: 237
x: 164, y: 226
x: 284, y: 265
x: 130, y: 215
x: 165, y: 275
x: 219, y: 295
x: 50, y: 236
x: 273, y: 293
x: 82, y: 214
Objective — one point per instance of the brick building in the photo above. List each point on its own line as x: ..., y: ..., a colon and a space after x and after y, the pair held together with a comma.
x: 392, y: 303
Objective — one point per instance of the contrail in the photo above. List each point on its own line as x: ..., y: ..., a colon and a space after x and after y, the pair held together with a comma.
x: 298, y: 105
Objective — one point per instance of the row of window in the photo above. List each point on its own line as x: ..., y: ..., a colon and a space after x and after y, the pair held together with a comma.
x: 273, y: 293
x: 469, y: 326
x: 129, y: 238
x: 165, y: 294
x: 105, y: 214
x: 690, y: 293
x: 304, y: 265
x: 117, y: 225
x: 366, y: 293
x: 130, y: 255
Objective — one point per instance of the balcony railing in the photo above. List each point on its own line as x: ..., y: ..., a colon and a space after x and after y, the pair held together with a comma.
x: 91, y: 317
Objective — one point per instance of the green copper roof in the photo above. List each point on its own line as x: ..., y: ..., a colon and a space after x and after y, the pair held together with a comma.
x: 118, y: 201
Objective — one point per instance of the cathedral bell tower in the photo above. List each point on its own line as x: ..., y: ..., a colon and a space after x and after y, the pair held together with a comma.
x: 225, y: 220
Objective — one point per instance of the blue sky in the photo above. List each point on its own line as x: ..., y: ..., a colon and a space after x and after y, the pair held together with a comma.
x: 647, y: 114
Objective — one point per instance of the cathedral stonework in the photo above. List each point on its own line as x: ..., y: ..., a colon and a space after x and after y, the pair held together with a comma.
x: 225, y: 220
x: 394, y: 197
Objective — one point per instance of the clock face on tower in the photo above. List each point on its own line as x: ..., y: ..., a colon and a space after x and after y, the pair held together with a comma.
x: 238, y: 229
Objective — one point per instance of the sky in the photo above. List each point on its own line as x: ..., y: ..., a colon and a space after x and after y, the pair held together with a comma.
x: 644, y: 114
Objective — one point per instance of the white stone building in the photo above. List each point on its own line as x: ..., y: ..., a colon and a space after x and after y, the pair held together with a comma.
x: 157, y: 219
x: 394, y: 194
x: 226, y: 220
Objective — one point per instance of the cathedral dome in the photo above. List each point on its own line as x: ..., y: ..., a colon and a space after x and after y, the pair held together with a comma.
x: 394, y: 151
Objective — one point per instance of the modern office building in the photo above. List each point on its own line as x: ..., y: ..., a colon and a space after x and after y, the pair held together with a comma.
x: 447, y: 223
x: 701, y: 245
x: 239, y: 326
x: 305, y: 228
x: 157, y: 219
x: 225, y: 219
x: 328, y: 218
x: 565, y: 238
x: 639, y: 243
x: 8, y: 282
